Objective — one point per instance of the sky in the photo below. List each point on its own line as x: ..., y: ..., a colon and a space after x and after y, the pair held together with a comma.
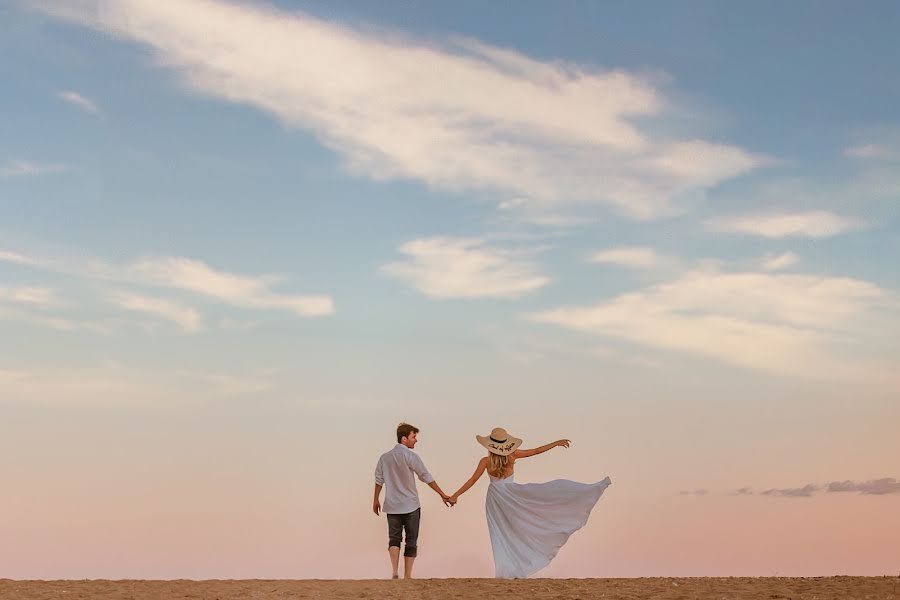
x: 241, y: 241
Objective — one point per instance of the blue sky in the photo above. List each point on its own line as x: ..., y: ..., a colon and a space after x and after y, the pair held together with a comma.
x: 289, y: 212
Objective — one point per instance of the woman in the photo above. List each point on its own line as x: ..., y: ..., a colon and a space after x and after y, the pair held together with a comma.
x: 528, y: 522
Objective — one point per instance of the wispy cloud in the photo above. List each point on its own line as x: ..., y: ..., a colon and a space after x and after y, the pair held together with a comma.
x: 186, y: 318
x: 443, y: 267
x: 802, y: 492
x: 244, y: 291
x: 30, y: 295
x: 870, y: 151
x: 634, y: 257
x: 872, y: 487
x: 199, y: 278
x: 474, y: 116
x: 112, y: 385
x: 877, y: 487
x: 23, y: 313
x: 76, y: 99
x: 781, y: 261
x: 783, y: 323
x: 24, y: 168
x: 19, y: 259
x: 814, y: 224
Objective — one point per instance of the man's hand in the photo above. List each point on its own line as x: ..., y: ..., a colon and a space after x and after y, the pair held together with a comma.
x: 564, y: 443
x: 376, y: 506
x: 453, y: 500
x: 446, y: 500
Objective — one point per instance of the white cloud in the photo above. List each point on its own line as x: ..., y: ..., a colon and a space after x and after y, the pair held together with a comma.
x: 19, y: 259
x: 24, y: 168
x: 195, y: 276
x: 187, y: 318
x: 237, y: 290
x: 458, y: 116
x: 815, y: 224
x: 237, y: 385
x: 782, y: 261
x: 635, y: 257
x: 789, y: 324
x: 236, y: 325
x: 22, y: 313
x: 441, y: 267
x: 30, y: 295
x: 119, y: 387
x: 869, y: 151
x: 76, y: 99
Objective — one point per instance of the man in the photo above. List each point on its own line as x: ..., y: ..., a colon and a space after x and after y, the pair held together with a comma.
x: 395, y: 472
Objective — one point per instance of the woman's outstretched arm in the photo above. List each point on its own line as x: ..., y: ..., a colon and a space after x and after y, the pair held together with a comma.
x: 479, y: 470
x: 541, y: 449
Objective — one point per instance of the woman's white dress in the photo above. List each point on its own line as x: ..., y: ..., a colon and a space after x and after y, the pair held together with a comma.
x: 529, y: 522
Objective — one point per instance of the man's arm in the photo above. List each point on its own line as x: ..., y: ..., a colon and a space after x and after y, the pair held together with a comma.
x: 433, y: 485
x: 376, y: 505
x: 425, y: 477
x: 379, y: 482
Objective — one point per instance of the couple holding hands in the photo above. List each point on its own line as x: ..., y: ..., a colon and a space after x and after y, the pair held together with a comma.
x: 528, y: 522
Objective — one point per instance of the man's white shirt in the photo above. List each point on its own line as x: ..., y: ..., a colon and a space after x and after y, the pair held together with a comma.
x: 395, y: 471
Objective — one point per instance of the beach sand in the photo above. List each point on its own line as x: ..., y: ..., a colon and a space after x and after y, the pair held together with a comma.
x: 770, y: 588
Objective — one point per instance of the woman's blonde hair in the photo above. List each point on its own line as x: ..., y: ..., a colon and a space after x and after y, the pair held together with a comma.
x: 497, y: 464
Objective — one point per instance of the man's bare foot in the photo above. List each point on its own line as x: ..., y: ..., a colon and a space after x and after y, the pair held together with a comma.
x: 395, y: 576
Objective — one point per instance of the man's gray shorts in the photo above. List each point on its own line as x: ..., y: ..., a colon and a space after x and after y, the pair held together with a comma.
x: 409, y: 523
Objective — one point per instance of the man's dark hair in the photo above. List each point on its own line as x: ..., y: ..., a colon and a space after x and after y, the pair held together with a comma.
x: 404, y: 430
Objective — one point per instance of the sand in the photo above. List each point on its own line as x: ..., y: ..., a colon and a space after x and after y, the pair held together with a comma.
x: 770, y: 588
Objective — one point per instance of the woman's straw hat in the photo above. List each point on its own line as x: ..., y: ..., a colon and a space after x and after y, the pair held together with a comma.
x: 499, y: 442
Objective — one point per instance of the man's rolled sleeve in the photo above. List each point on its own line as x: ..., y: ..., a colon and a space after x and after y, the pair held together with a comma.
x: 379, y: 475
x: 419, y: 467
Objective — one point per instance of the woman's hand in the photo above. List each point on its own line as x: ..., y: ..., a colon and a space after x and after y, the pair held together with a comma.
x: 453, y: 499
x: 563, y: 443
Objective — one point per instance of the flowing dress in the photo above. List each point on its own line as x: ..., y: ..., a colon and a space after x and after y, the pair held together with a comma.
x: 530, y: 522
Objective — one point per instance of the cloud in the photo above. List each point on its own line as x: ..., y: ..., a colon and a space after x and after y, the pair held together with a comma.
x: 24, y: 168
x: 442, y: 267
x: 635, y: 257
x: 76, y: 99
x: 457, y: 115
x: 802, y: 492
x: 873, y: 487
x: 782, y: 323
x: 870, y: 151
x: 254, y: 292
x: 237, y: 290
x: 814, y: 224
x: 69, y: 324
x: 112, y: 385
x: 886, y: 485
x: 236, y: 325
x: 236, y: 385
x: 187, y: 318
x: 19, y: 259
x: 782, y: 261
x: 30, y: 295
